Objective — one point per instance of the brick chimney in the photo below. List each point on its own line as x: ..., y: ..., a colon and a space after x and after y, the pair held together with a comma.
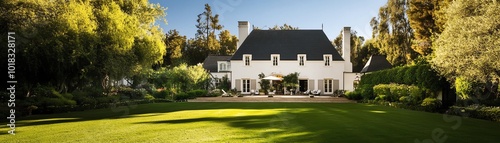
x: 243, y: 30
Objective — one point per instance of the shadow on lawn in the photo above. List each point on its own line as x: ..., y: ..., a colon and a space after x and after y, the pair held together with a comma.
x: 281, y: 127
x: 120, y: 112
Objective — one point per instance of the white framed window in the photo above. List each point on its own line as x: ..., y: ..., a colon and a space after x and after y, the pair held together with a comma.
x: 275, y: 59
x: 246, y: 85
x: 327, y: 59
x: 301, y: 59
x: 222, y: 67
x: 328, y: 85
x: 247, y: 59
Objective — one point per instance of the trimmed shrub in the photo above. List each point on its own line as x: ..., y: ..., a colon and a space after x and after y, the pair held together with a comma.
x: 181, y: 97
x: 161, y: 94
x: 196, y: 93
x: 366, y: 91
x: 416, y: 94
x: 405, y: 99
x: 476, y: 111
x: 431, y: 104
x: 393, y: 92
x: 129, y: 93
x: 354, y: 95
x: 149, y: 97
x: 214, y: 93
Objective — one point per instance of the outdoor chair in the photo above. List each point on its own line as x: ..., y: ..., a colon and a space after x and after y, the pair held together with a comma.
x: 272, y: 92
x: 256, y: 92
x: 224, y: 93
x: 307, y: 92
x: 316, y: 92
x: 252, y: 92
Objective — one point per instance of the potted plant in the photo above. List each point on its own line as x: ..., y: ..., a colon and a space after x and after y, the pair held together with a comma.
x: 273, y: 90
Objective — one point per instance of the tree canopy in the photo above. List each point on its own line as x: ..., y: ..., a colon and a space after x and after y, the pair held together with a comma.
x: 85, y: 42
x: 469, y: 46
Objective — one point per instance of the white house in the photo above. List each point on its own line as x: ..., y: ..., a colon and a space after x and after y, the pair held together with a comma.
x: 281, y: 52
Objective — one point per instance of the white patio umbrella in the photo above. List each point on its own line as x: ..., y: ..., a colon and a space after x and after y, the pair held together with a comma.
x: 272, y: 78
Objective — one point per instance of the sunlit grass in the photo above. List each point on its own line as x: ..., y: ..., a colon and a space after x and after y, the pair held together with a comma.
x: 248, y: 122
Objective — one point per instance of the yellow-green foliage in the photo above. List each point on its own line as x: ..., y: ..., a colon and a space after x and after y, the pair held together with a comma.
x: 463, y: 88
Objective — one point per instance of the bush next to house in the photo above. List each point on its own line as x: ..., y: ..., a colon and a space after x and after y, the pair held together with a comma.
x: 366, y: 90
x: 214, y: 93
x: 181, y: 97
x: 130, y: 93
x: 353, y: 95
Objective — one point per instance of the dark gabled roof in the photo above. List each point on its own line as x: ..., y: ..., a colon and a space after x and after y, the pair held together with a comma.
x: 288, y: 43
x: 210, y: 63
x: 376, y: 63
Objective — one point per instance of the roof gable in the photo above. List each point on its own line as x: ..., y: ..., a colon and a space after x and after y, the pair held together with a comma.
x: 210, y: 63
x: 376, y: 63
x: 288, y: 43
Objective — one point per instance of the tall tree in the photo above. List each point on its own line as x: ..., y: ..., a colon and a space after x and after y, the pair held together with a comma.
x: 228, y: 43
x: 206, y: 36
x: 393, y: 32
x: 284, y: 27
x: 175, y: 43
x: 85, y: 41
x: 423, y: 16
x: 469, y: 47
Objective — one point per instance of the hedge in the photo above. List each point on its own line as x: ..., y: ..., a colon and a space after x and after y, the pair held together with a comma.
x: 476, y: 111
x: 422, y: 76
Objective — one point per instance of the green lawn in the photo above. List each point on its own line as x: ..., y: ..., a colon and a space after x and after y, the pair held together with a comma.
x: 251, y: 122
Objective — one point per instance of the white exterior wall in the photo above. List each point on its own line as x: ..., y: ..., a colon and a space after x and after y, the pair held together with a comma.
x: 221, y: 74
x: 312, y: 70
x: 349, y: 80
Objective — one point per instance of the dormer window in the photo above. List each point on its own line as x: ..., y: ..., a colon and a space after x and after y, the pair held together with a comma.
x: 275, y: 59
x: 246, y: 59
x: 327, y: 59
x: 301, y: 59
x: 222, y: 67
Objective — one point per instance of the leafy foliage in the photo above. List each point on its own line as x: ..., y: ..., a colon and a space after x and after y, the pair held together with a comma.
x: 186, y: 78
x: 360, y: 51
x: 291, y: 81
x: 175, y: 43
x: 86, y: 42
x: 392, y: 32
x: 264, y: 84
x: 469, y: 46
x: 284, y: 27
x: 475, y: 111
x: 419, y: 75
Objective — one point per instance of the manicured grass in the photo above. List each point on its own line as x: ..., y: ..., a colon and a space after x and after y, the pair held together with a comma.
x: 251, y: 122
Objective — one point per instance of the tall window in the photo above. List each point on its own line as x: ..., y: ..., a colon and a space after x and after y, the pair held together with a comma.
x: 275, y: 59
x: 328, y: 85
x: 301, y: 60
x: 327, y: 59
x: 247, y: 59
x: 246, y: 85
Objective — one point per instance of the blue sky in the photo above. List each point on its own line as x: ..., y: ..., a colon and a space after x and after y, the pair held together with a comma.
x: 310, y: 14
